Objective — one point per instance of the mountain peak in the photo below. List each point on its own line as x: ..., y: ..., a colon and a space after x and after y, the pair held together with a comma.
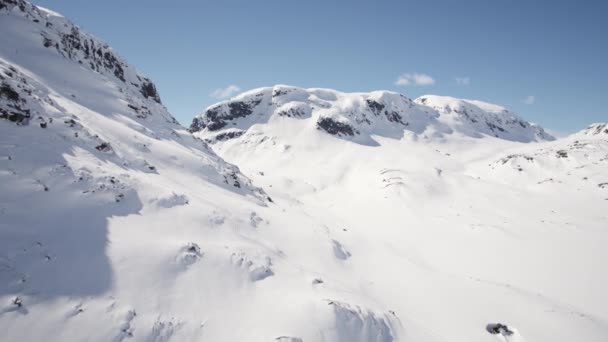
x: 486, y: 118
x: 595, y: 130
x: 78, y: 90
x: 358, y: 116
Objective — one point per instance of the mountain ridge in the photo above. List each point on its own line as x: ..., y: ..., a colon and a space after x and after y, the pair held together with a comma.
x: 357, y: 116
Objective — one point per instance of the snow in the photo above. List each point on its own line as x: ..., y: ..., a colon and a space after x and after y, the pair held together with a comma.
x: 116, y: 223
x: 48, y: 11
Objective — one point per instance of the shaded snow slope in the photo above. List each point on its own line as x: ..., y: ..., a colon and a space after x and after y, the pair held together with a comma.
x: 359, y: 116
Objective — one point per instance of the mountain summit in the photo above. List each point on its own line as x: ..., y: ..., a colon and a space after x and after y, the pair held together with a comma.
x: 358, y: 116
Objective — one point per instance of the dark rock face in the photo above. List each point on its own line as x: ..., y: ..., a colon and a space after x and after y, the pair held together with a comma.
x: 241, y: 109
x: 334, y: 127
x: 74, y: 45
x: 8, y: 92
x: 465, y: 113
x: 103, y: 147
x: 395, y: 117
x: 280, y: 92
x: 215, y: 122
x: 71, y: 43
x: 217, y: 117
x: 11, y: 3
x: 498, y: 328
x: 232, y: 177
x: 14, y: 108
x: 20, y: 117
x: 148, y: 90
x: 293, y: 113
x: 375, y: 107
x: 495, y: 127
x: 597, y: 129
x: 228, y: 135
x: 196, y: 125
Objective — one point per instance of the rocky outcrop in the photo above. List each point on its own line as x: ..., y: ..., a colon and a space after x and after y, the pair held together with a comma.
x: 334, y: 127
x: 59, y: 34
x: 596, y: 129
x: 217, y: 117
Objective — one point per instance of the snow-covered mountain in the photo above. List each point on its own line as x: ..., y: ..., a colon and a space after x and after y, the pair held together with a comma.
x: 445, y: 213
x: 595, y: 130
x: 350, y: 217
x: 578, y: 161
x: 358, y: 116
x: 478, y: 118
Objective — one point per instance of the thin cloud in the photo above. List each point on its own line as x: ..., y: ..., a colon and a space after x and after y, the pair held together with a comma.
x: 530, y: 99
x: 414, y: 79
x: 465, y: 81
x: 223, y: 93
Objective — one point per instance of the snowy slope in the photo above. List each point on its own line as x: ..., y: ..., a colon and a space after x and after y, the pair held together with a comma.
x: 478, y: 118
x: 436, y: 217
x: 359, y: 116
x: 117, y: 224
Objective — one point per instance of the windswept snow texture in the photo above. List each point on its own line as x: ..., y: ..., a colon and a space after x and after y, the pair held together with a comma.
x: 389, y: 220
x: 360, y: 116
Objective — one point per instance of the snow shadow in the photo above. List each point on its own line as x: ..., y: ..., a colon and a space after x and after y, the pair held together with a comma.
x: 54, y: 240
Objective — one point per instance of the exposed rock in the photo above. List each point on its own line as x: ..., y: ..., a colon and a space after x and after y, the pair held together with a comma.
x: 376, y: 107
x: 217, y: 117
x: 516, y: 156
x: 13, y: 107
x: 9, y: 93
x: 104, y: 147
x: 148, y: 90
x: 334, y: 127
x: 498, y: 328
x: 293, y: 112
x: 224, y: 136
x: 596, y: 129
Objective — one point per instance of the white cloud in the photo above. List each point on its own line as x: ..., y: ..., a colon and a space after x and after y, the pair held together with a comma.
x: 463, y: 80
x: 530, y: 99
x: 414, y: 79
x: 222, y: 93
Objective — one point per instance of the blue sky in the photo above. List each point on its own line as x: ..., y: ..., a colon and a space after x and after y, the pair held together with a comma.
x: 543, y: 59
